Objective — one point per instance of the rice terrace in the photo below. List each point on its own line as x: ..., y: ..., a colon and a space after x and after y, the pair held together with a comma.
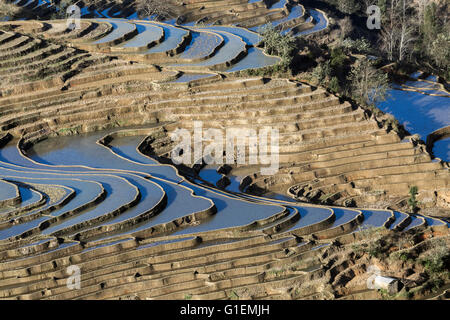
x: 120, y: 177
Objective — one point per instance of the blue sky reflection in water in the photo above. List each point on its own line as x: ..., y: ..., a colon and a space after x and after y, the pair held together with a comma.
x: 420, y: 113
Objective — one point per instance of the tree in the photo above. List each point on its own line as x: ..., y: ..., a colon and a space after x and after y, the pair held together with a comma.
x: 430, y: 27
x: 348, y: 6
x: 322, y: 72
x: 440, y: 50
x: 7, y: 10
x: 153, y: 9
x: 368, y: 85
x: 361, y: 45
x: 282, y: 45
x: 62, y: 7
x: 389, y: 33
x: 383, y: 5
x: 346, y: 27
x: 338, y: 61
x: 434, y: 23
x: 367, y: 3
x: 421, y: 7
x: 399, y: 29
x: 334, y: 85
x: 407, y: 30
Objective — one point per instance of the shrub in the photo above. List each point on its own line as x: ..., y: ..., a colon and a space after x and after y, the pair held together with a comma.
x: 371, y: 243
x: 375, y: 248
x: 435, y: 259
x: 338, y: 61
x: 412, y: 202
x: 332, y: 72
x: 368, y: 85
x: 440, y: 51
x: 322, y: 71
x: 233, y: 295
x: 278, y: 44
x: 361, y: 45
x: 348, y: 6
x: 7, y: 11
x: 334, y: 85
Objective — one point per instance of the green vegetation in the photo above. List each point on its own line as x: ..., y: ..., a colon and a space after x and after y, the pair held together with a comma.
x: 436, y: 258
x: 321, y: 72
x: 277, y: 272
x: 275, y: 70
x: 436, y: 264
x: 361, y: 45
x: 70, y: 131
x: 233, y: 295
x: 332, y: 72
x: 434, y: 284
x: 405, y: 241
x: 375, y: 248
x: 62, y: 6
x: 412, y: 201
x: 440, y: 52
x: 7, y: 10
x: 371, y: 243
x: 187, y: 296
x: 278, y: 44
x: 347, y: 70
x: 413, y: 33
x: 385, y: 294
x: 360, y: 81
x: 346, y: 6
x: 275, y: 43
x: 333, y: 83
x: 433, y: 40
x: 368, y: 85
x: 404, y: 256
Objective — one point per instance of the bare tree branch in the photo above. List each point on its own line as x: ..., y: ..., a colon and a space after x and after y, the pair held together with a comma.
x: 153, y: 9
